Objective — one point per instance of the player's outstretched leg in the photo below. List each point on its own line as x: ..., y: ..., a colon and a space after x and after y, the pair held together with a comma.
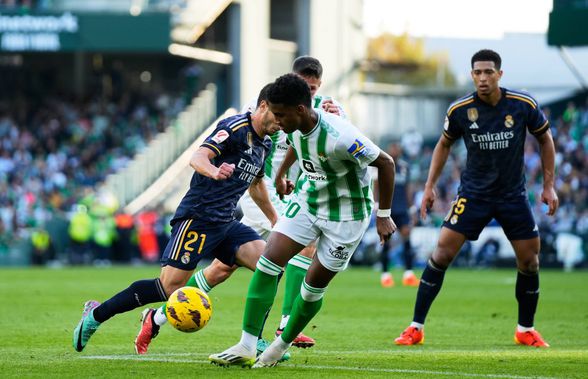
x: 429, y: 288
x: 295, y: 273
x: 86, y: 327
x: 149, y: 330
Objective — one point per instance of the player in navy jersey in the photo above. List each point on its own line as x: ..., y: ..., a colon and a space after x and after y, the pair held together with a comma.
x: 493, y: 122
x: 401, y: 203
x: 230, y: 161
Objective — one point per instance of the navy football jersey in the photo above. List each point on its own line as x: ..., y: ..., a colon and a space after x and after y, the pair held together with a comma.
x: 401, y: 180
x: 234, y: 141
x: 494, y: 137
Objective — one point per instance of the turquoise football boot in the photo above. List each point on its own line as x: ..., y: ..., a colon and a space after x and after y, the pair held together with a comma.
x: 86, y: 327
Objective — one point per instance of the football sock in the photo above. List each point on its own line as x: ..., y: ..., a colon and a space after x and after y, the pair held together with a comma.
x: 160, y: 318
x: 431, y: 282
x: 527, y: 294
x: 295, y: 273
x: 269, y: 310
x: 261, y: 294
x: 407, y: 254
x: 384, y: 256
x: 306, y: 306
x: 198, y: 280
x: 522, y: 329
x: 139, y: 293
x: 249, y: 341
x: 417, y: 325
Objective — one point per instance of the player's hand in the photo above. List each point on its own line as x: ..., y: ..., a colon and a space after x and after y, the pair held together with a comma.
x: 427, y: 201
x: 224, y: 171
x: 284, y: 187
x: 329, y: 106
x: 549, y: 197
x: 385, y: 227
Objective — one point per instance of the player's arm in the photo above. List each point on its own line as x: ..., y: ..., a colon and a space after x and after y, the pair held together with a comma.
x: 440, y: 155
x: 547, y: 152
x: 386, y: 173
x: 201, y: 162
x: 260, y: 196
x: 283, y: 185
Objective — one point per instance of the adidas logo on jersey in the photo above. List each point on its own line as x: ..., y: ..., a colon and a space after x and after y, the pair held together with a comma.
x: 249, y: 151
x: 474, y: 126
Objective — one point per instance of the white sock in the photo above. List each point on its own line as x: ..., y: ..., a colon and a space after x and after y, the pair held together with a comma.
x: 249, y: 342
x: 417, y: 325
x: 284, y: 321
x: 160, y: 318
x: 523, y: 329
x: 276, y: 350
x: 408, y: 273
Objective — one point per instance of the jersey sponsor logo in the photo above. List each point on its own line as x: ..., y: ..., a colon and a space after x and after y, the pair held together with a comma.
x: 220, y: 136
x: 492, y: 141
x: 508, y: 121
x: 472, y: 114
x: 280, y: 146
x: 358, y: 149
x: 308, y: 166
x: 339, y: 252
x: 248, y: 170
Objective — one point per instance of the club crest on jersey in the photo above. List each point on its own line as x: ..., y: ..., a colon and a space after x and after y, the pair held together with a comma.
x: 472, y: 114
x: 508, y: 121
x: 322, y: 157
x: 357, y: 149
x: 185, y: 258
x: 220, y: 136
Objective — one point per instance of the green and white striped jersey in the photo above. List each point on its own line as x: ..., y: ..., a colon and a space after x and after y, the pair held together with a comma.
x: 334, y: 156
x: 280, y: 144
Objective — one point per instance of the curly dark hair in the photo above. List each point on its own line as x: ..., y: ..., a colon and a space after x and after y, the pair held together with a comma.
x: 289, y: 90
x: 487, y: 55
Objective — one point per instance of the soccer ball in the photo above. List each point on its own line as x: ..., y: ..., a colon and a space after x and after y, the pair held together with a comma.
x: 188, y: 309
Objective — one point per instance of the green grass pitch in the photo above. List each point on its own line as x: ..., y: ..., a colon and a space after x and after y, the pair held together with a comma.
x: 469, y: 331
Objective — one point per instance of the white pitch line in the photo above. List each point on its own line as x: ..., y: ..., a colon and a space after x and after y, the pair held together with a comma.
x: 314, y: 367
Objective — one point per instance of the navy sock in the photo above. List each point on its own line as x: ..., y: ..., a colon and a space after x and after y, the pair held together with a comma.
x: 431, y: 282
x: 407, y: 254
x: 527, y: 294
x: 139, y: 293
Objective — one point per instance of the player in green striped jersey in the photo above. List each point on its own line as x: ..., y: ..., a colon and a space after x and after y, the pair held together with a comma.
x: 332, y: 204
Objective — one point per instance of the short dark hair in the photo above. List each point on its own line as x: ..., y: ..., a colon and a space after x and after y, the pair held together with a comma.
x: 486, y: 55
x: 263, y: 94
x: 307, y: 66
x: 290, y: 90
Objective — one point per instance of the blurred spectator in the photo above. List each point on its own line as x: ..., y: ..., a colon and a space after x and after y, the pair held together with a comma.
x: 147, y: 235
x: 80, y: 232
x: 43, y: 249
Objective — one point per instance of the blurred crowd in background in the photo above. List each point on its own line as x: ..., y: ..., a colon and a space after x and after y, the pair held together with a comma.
x: 54, y: 151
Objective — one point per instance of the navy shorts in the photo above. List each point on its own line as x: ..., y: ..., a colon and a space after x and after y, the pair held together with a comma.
x: 400, y: 219
x: 469, y: 216
x: 193, y: 239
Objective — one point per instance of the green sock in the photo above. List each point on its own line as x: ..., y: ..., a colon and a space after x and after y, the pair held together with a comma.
x: 295, y: 274
x: 302, y: 312
x: 199, y: 281
x: 260, y: 296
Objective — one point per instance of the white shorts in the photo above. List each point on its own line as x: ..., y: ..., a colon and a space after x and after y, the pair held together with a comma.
x: 337, y: 240
x: 254, y: 217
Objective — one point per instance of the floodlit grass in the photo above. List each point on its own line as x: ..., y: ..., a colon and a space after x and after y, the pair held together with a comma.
x: 469, y: 330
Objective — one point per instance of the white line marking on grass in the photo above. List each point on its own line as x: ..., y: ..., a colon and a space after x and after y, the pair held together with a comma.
x: 163, y: 358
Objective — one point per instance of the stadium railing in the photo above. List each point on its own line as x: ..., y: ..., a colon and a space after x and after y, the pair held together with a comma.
x: 150, y: 163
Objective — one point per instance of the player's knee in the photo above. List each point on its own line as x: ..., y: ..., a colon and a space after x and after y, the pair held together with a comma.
x: 308, y: 251
x: 443, y: 256
x: 529, y: 266
x: 171, y: 283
